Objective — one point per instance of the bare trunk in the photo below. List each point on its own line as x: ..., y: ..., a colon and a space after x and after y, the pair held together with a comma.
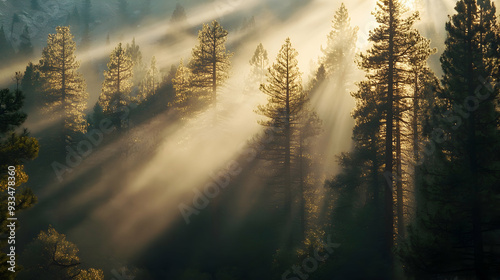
x: 388, y: 199
x: 302, y: 190
x: 399, y: 179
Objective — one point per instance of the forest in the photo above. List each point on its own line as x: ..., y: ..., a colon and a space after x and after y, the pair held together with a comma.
x: 241, y: 140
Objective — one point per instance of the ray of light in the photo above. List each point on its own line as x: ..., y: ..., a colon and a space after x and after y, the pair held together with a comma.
x: 128, y: 198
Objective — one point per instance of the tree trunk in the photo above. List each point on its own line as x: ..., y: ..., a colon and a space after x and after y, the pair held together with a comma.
x: 476, y: 203
x: 399, y: 178
x: 388, y: 199
x: 415, y: 144
x: 301, y: 189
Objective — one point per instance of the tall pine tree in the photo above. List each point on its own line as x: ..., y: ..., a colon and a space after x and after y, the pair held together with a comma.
x: 385, y: 64
x: 288, y: 114
x: 183, y: 93
x: 178, y: 15
x: 339, y: 52
x: 382, y: 110
x: 454, y: 234
x: 150, y: 83
x: 210, y: 62
x: 31, y: 86
x: 117, y: 85
x: 25, y: 46
x: 6, y: 50
x: 64, y: 86
x: 259, y: 64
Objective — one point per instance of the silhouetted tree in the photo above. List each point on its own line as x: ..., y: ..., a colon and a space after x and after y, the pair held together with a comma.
x: 74, y: 20
x: 458, y: 217
x: 15, y: 20
x: 289, y: 115
x: 179, y: 15
x: 385, y: 65
x: 6, y: 50
x: 382, y: 109
x: 210, y: 62
x: 15, y: 150
x: 31, y: 85
x: 258, y: 64
x: 25, y: 46
x: 117, y: 85
x: 338, y: 55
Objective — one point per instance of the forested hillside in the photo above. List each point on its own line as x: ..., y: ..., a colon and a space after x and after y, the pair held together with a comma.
x: 252, y: 139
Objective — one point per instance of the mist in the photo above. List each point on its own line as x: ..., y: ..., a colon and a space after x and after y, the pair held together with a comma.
x: 202, y: 195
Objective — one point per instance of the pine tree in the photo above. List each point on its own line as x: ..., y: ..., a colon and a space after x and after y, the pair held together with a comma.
x: 117, y: 85
x: 341, y: 45
x: 31, y: 86
x: 338, y: 68
x: 289, y: 115
x: 6, y: 50
x: 459, y: 213
x: 51, y: 256
x: 74, y: 20
x: 308, y: 126
x: 210, y: 62
x: 182, y: 86
x: 96, y: 117
x: 259, y: 64
x: 64, y: 86
x: 25, y: 46
x: 85, y: 43
x: 416, y: 107
x: 135, y: 54
x: 179, y: 15
x: 284, y: 88
x: 382, y: 110
x: 15, y: 20
x: 385, y: 65
x: 149, y: 85
x: 15, y: 150
x: 357, y: 190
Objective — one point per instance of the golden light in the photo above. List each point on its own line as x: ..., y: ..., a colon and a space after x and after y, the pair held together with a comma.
x: 409, y: 4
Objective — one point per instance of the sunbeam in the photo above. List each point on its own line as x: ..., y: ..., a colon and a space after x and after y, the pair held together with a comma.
x: 233, y: 139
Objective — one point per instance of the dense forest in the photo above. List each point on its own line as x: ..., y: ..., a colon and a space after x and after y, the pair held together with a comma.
x: 228, y: 140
